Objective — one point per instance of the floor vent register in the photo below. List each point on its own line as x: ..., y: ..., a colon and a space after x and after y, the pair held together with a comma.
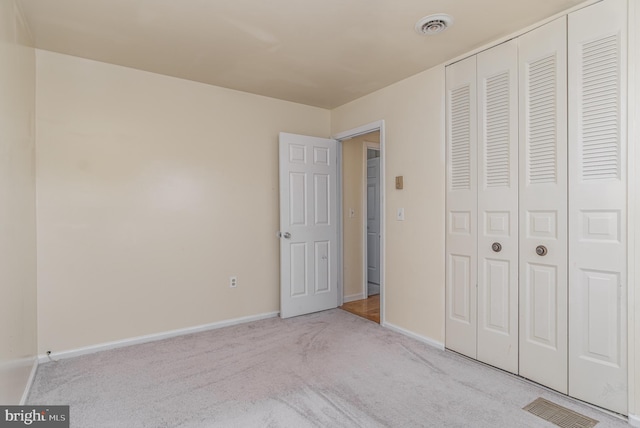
x: 558, y: 415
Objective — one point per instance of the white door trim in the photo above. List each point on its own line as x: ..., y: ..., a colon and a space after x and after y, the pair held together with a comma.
x: 365, y: 215
x: 633, y: 208
x: 346, y: 135
x: 340, y: 228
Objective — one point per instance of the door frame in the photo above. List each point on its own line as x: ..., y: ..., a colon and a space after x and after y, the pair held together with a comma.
x: 365, y: 214
x: 340, y: 137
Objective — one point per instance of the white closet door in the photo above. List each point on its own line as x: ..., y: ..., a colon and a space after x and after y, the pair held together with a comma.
x: 461, y: 222
x: 497, y: 71
x: 543, y: 205
x: 597, y: 205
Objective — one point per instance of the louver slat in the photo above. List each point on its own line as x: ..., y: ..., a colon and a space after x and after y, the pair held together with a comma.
x: 600, y: 109
x: 496, y: 154
x: 541, y: 88
x: 460, y: 139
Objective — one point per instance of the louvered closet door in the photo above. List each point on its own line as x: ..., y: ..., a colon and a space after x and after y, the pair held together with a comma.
x: 597, y: 205
x: 498, y: 206
x: 543, y: 205
x: 461, y: 210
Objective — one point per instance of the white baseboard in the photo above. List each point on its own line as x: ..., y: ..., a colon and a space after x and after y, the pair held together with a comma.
x: 43, y: 358
x: 423, y: 339
x: 32, y: 376
x: 353, y: 297
x: 634, y: 421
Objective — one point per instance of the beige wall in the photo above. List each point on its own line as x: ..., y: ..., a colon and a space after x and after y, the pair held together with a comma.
x: 413, y: 111
x: 152, y: 191
x: 353, y: 152
x: 17, y: 205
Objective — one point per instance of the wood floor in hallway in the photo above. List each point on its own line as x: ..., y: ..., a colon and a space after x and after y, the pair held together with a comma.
x: 367, y: 308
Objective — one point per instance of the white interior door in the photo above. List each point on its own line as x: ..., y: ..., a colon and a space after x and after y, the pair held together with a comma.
x: 497, y: 77
x: 543, y: 205
x: 461, y: 208
x: 373, y: 220
x: 308, y: 225
x: 597, y: 205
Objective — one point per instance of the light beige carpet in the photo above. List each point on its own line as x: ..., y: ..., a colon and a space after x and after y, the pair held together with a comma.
x: 330, y: 369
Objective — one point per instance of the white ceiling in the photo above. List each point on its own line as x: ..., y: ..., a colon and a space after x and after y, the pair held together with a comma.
x: 317, y: 52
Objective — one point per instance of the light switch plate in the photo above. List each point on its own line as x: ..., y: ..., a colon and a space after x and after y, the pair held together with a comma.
x: 400, y: 215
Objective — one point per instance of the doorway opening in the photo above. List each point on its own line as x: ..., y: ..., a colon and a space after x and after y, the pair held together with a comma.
x: 312, y: 234
x: 362, y: 224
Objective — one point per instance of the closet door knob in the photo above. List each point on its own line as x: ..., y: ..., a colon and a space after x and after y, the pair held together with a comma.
x: 496, y: 247
x: 541, y: 250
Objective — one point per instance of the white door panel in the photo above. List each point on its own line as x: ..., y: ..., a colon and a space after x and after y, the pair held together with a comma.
x: 541, y: 296
x: 597, y: 205
x: 461, y: 281
x: 308, y: 220
x: 543, y: 205
x: 461, y: 208
x: 497, y: 80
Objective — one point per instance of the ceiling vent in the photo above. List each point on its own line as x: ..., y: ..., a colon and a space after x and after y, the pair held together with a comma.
x: 433, y: 24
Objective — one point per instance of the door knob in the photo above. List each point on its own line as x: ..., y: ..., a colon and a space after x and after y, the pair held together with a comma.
x: 541, y: 250
x: 286, y: 235
x: 496, y: 247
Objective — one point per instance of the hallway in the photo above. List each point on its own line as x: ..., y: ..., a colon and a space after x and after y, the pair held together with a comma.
x: 366, y: 308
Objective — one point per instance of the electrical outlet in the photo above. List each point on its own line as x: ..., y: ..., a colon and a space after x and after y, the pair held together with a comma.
x: 233, y: 281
